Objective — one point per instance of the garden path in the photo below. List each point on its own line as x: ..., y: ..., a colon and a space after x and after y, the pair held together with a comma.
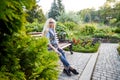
x: 103, y: 65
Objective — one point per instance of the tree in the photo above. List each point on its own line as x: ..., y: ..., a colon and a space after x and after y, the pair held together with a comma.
x: 35, y: 13
x: 12, y: 19
x: 116, y: 11
x: 110, y: 12
x: 12, y: 15
x: 87, y: 17
x: 22, y: 57
x: 69, y: 17
x: 54, y: 11
x: 60, y: 6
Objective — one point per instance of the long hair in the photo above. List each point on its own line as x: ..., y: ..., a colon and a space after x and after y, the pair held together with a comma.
x: 46, y: 26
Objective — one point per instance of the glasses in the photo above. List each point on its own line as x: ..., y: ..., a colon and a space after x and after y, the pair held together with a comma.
x: 51, y: 22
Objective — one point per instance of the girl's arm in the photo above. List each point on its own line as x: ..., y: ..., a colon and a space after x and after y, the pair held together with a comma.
x: 54, y: 49
x: 50, y: 45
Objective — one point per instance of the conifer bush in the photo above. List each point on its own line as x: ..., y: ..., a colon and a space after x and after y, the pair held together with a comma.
x: 27, y: 58
x: 22, y: 57
x: 118, y: 49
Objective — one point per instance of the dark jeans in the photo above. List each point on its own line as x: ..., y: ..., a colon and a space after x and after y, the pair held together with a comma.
x: 63, y: 58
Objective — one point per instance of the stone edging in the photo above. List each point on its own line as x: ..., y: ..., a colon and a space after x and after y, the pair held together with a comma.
x: 87, y: 73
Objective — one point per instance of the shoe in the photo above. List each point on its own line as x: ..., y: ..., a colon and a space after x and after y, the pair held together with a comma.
x: 67, y: 72
x: 74, y: 71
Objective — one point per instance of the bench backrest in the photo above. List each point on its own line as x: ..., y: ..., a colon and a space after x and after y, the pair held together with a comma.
x: 39, y: 34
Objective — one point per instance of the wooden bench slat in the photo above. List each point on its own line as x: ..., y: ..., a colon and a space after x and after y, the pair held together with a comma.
x: 64, y: 45
x: 61, y: 44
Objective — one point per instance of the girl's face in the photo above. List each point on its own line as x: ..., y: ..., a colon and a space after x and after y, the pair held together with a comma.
x: 51, y: 24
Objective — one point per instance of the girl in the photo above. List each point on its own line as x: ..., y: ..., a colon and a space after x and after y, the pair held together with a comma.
x: 49, y: 32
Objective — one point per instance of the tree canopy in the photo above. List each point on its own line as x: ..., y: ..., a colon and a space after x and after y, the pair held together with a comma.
x: 35, y: 13
x: 12, y: 15
x: 56, y: 10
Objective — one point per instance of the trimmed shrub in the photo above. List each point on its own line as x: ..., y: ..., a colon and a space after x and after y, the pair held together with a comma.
x: 60, y: 27
x: 117, y: 30
x: 27, y: 58
x: 88, y: 29
x: 61, y: 31
x: 70, y: 25
x: 105, y: 32
x: 34, y: 27
x: 118, y: 49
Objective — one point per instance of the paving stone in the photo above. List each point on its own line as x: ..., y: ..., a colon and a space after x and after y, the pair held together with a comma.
x: 78, y: 61
x: 103, y: 78
x: 106, y: 68
x: 108, y: 64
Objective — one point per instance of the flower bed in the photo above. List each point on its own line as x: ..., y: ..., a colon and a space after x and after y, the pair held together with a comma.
x: 85, y: 46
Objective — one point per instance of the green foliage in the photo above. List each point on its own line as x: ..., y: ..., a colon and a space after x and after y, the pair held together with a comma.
x: 118, y: 49
x: 89, y: 15
x: 112, y: 21
x: 27, y: 58
x: 12, y: 15
x: 35, y: 13
x: 60, y: 27
x: 60, y: 6
x: 108, y: 34
x: 54, y: 11
x: 108, y: 13
x: 104, y: 32
x: 34, y: 27
x: 117, y: 13
x: 61, y: 30
x: 85, y: 45
x: 70, y: 25
x: 66, y: 29
x: 88, y: 29
x: 87, y: 49
x: 117, y: 30
x: 22, y: 57
x: 69, y: 17
x: 87, y: 18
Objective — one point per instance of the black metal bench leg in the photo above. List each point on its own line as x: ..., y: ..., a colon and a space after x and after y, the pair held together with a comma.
x: 70, y: 48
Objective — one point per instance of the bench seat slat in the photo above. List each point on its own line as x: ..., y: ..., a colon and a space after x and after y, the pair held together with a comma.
x: 64, y: 45
x: 61, y: 44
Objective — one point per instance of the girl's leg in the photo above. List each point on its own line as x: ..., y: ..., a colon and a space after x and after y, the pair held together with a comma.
x: 62, y: 52
x: 64, y: 61
x: 67, y: 67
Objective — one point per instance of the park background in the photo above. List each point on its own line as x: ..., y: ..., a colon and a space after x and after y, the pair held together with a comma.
x: 27, y: 58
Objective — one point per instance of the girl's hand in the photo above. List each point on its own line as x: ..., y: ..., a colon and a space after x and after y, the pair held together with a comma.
x: 57, y: 52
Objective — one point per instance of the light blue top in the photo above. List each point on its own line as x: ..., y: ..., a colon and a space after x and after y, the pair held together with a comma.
x: 52, y: 38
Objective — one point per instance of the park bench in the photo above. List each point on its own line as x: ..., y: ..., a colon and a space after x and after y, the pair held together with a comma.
x: 62, y: 44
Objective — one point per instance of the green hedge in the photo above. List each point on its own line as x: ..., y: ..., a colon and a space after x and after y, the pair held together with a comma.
x: 34, y: 27
x: 70, y: 25
x: 118, y: 49
x: 117, y: 30
x: 88, y: 29
x: 26, y: 58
